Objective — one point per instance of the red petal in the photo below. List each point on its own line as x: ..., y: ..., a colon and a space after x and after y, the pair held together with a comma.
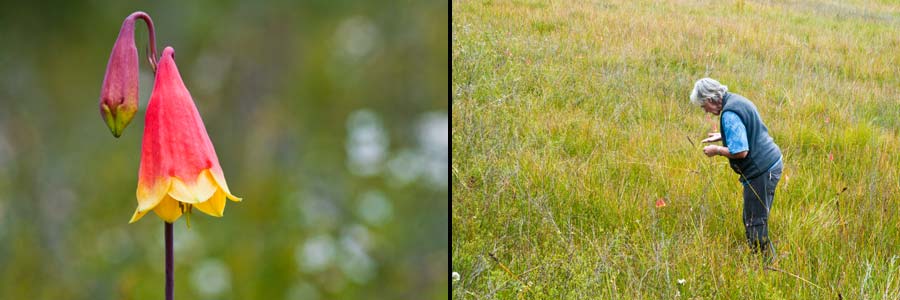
x: 175, y: 141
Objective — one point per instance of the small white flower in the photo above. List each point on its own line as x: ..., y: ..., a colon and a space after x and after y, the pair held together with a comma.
x: 455, y: 276
x: 681, y: 281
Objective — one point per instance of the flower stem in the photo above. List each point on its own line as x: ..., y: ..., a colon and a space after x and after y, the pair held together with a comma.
x: 152, y: 34
x: 170, y: 273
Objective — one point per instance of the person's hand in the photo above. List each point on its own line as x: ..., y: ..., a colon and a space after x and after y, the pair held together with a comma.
x: 712, y: 137
x: 711, y: 150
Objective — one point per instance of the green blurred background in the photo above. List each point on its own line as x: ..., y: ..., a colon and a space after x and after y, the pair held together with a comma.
x: 329, y: 118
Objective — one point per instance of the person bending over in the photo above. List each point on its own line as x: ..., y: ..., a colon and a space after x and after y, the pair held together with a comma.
x: 751, y: 153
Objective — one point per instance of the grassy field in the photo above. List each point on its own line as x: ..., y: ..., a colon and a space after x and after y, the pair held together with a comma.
x: 571, y: 119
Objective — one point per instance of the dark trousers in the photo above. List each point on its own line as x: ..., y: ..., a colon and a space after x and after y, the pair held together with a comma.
x: 758, y: 195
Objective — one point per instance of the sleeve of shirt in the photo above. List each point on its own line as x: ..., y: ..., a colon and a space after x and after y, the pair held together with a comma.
x: 735, y: 133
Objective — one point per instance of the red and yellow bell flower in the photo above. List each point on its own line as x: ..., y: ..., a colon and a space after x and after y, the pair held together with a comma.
x: 179, y: 167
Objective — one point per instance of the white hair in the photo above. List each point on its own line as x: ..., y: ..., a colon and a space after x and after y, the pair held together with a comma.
x: 706, y: 89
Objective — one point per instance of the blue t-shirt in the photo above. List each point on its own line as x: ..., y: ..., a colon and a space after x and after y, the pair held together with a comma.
x: 734, y: 129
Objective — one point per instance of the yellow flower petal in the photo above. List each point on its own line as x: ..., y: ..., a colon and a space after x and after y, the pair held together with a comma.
x: 170, y: 197
x: 215, y: 206
x: 149, y: 196
x: 169, y: 209
x: 196, y: 192
x: 220, y: 180
x: 138, y: 214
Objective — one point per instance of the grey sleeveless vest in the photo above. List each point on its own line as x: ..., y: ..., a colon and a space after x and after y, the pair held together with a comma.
x: 763, y: 150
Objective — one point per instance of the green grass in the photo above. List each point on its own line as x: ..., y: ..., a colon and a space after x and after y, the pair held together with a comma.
x: 571, y: 118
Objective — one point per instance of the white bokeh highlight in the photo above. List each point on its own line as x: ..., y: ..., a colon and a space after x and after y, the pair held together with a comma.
x: 375, y: 208
x: 315, y: 254
x: 211, y: 278
x: 367, y: 143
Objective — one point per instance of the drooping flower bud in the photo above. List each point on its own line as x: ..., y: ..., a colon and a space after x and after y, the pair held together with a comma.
x: 119, y: 93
